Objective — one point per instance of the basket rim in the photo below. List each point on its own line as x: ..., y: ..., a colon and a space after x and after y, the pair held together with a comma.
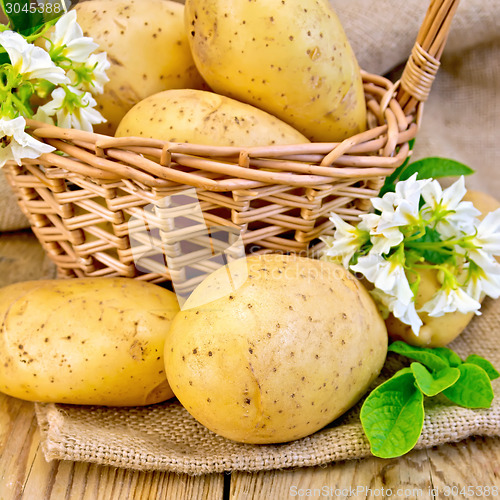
x: 155, y: 163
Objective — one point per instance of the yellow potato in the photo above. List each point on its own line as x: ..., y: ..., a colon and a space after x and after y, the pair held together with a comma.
x: 202, y: 117
x: 147, y: 47
x: 290, y: 58
x: 440, y: 331
x: 274, y: 347
x: 85, y: 341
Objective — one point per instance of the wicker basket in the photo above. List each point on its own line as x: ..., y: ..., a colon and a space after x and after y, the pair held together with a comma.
x: 83, y: 204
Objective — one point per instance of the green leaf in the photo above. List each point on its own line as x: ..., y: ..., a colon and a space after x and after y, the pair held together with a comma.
x: 22, y: 15
x: 432, y: 384
x: 27, y: 17
x: 424, y: 355
x: 451, y: 357
x: 432, y: 167
x: 401, y: 372
x: 435, y: 167
x: 4, y: 58
x: 473, y: 388
x: 392, y: 416
x: 432, y: 256
x: 484, y: 364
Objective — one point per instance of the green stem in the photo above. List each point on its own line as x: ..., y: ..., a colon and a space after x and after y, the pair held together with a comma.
x: 434, y: 246
x: 22, y: 107
x: 31, y: 38
x: 417, y: 236
x: 449, y: 276
x: 418, y: 265
x: 7, y: 108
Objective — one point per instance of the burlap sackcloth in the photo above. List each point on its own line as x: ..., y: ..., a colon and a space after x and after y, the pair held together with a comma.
x: 165, y: 437
x: 11, y: 217
x: 461, y: 119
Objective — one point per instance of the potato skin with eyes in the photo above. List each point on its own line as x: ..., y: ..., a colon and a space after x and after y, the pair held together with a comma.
x: 290, y: 58
x: 202, y: 117
x: 278, y: 357
x: 93, y: 341
x: 147, y: 47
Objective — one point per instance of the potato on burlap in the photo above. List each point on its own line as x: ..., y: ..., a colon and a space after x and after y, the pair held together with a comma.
x: 85, y: 341
x: 273, y: 348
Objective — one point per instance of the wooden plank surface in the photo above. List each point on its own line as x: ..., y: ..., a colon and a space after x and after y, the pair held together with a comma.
x: 467, y: 469
x: 441, y: 472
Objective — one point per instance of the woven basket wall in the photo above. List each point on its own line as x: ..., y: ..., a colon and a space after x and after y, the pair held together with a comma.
x: 125, y: 206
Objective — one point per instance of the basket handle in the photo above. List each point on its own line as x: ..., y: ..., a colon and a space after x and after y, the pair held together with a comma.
x: 423, y: 63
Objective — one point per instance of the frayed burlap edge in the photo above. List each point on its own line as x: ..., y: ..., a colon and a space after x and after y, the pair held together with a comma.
x: 330, y: 445
x: 165, y: 437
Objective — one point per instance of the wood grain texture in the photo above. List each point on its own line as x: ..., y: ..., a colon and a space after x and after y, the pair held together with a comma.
x: 474, y: 462
x: 84, y: 481
x: 449, y: 471
x: 355, y: 478
x: 18, y: 444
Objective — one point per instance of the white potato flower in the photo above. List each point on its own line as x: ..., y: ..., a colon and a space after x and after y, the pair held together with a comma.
x: 385, y: 241
x: 387, y: 275
x: 382, y: 241
x: 347, y: 240
x: 96, y: 66
x: 30, y: 61
x: 484, y: 243
x: 401, y: 207
x: 422, y: 226
x: 67, y: 39
x: 460, y: 215
x: 69, y: 114
x: 488, y: 233
x: 16, y: 144
x: 448, y: 300
x: 406, y: 313
x: 484, y: 281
